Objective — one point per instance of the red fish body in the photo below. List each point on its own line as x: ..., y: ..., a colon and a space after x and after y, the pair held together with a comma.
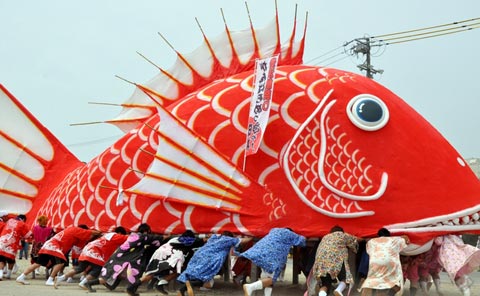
x: 339, y: 149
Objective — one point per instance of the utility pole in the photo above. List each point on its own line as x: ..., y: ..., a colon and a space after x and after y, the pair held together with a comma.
x: 362, y: 46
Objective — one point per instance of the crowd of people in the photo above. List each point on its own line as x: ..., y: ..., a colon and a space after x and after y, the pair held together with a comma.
x: 192, y: 261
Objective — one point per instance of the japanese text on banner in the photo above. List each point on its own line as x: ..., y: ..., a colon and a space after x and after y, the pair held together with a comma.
x: 264, y: 76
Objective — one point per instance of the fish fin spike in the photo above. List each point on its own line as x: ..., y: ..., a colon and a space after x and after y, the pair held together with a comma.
x: 182, y: 58
x: 203, y: 178
x: 229, y: 53
x: 125, y: 80
x: 31, y: 158
x: 149, y: 61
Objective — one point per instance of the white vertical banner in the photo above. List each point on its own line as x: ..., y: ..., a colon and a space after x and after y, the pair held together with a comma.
x: 263, y: 80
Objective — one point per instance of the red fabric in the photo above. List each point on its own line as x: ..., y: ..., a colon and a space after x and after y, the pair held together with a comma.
x: 13, y: 231
x: 99, y: 250
x: 63, y: 241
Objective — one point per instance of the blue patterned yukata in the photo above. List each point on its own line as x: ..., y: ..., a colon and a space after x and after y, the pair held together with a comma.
x: 208, y: 259
x: 271, y: 252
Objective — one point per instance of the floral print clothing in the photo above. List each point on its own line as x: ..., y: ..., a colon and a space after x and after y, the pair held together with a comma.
x: 271, y: 252
x: 384, y: 268
x: 208, y: 259
x: 332, y: 254
x: 456, y: 257
x: 170, y: 256
x: 129, y: 259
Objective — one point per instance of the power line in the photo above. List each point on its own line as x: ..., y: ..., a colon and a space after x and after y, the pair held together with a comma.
x: 433, y: 35
x: 428, y: 34
x: 427, y: 28
x: 321, y: 62
x: 364, y: 45
x: 322, y: 55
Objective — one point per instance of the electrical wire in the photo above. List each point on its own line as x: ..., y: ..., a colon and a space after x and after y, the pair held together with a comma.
x: 425, y: 33
x: 427, y: 28
x: 336, y: 61
x: 433, y: 35
x: 329, y: 58
x: 322, y: 55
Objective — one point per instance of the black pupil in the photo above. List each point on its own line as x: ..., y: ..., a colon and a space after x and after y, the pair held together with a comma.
x: 369, y: 111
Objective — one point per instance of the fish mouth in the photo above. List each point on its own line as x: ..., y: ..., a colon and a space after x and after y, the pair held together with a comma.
x: 461, y: 221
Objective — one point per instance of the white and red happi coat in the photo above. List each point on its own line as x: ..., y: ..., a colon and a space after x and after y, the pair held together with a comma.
x: 63, y: 241
x: 13, y: 231
x: 99, y: 250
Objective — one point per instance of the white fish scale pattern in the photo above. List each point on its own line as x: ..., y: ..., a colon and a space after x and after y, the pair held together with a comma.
x: 344, y: 167
x: 70, y: 201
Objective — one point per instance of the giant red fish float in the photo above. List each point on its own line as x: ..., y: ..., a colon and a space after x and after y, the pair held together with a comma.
x: 339, y: 148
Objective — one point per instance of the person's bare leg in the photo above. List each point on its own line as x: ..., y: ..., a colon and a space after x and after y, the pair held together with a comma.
x: 56, y: 268
x: 146, y: 278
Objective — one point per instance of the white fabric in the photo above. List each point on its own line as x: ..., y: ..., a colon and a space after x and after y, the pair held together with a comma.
x: 267, y: 291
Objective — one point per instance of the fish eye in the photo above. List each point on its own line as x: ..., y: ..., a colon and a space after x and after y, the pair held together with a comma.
x: 367, y: 112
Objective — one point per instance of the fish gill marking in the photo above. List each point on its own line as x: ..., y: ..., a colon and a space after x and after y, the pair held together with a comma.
x: 323, y: 151
x: 342, y: 153
x: 332, y: 197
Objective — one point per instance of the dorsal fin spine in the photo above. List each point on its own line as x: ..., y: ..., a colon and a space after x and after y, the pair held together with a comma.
x: 222, y: 66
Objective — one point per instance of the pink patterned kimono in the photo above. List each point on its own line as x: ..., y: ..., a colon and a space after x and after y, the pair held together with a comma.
x: 456, y: 257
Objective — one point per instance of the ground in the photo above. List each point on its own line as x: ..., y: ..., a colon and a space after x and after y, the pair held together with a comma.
x: 285, y: 288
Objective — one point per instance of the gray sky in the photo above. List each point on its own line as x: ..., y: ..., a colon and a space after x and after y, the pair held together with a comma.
x: 56, y: 56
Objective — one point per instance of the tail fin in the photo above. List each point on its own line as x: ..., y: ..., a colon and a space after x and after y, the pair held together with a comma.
x: 32, y: 159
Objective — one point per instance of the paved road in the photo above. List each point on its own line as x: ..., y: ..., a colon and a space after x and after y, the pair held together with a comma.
x: 37, y: 287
